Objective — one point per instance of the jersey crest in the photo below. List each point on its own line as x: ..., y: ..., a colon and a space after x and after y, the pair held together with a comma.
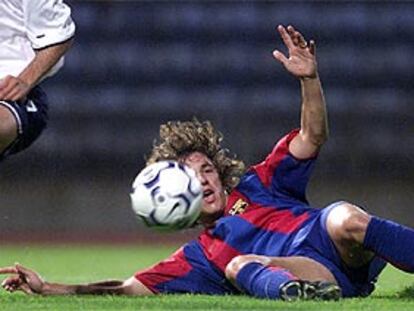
x: 238, y: 207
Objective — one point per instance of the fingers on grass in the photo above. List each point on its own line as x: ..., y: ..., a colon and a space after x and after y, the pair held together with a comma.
x: 8, y: 270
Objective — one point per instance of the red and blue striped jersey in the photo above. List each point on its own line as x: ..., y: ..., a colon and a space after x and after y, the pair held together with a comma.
x: 263, y: 216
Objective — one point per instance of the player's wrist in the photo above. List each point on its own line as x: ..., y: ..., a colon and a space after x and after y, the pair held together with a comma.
x: 41, y: 289
x: 312, y: 77
x: 27, y: 81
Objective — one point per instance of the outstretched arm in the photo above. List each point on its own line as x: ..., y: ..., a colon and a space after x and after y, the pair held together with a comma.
x: 301, y: 62
x: 31, y: 283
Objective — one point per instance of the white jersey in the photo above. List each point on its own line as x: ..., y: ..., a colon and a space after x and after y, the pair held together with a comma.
x: 27, y: 25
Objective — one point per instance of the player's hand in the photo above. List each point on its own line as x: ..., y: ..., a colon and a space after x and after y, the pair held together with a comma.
x: 23, y: 279
x: 13, y: 88
x: 301, y: 60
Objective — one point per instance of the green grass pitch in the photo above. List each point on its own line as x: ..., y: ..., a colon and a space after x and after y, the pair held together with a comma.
x: 76, y: 264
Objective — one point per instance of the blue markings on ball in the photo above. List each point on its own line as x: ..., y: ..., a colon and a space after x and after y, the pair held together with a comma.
x: 176, y: 205
x: 154, y: 221
x: 186, y: 200
x: 195, y: 193
x: 153, y: 181
x: 167, y: 204
x: 149, y: 184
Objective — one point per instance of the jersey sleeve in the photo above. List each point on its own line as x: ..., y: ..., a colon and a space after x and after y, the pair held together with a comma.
x: 186, y: 271
x: 282, y: 173
x: 48, y: 22
x: 167, y: 271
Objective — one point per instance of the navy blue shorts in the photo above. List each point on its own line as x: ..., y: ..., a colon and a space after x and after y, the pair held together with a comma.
x: 313, y: 241
x: 31, y: 117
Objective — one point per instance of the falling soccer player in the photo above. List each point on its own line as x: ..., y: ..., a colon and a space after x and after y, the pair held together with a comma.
x: 261, y: 237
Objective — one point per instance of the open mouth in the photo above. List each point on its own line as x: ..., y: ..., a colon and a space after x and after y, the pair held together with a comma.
x: 208, y: 195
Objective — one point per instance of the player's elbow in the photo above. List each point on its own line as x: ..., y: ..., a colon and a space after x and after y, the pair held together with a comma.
x: 318, y: 138
x: 321, y: 138
x: 133, y: 287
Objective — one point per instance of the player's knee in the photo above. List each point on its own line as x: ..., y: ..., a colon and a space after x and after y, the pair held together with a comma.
x: 238, y: 262
x: 348, y: 222
x: 234, y: 266
x: 8, y: 126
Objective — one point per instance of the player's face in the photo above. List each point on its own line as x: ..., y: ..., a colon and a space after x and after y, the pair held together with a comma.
x: 214, y: 197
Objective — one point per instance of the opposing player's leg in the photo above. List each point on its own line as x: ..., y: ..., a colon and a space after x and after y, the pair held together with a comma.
x: 359, y: 236
x: 286, y: 278
x: 8, y: 126
x: 21, y: 122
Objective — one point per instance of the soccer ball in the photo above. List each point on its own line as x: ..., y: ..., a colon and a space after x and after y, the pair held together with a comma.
x: 167, y: 195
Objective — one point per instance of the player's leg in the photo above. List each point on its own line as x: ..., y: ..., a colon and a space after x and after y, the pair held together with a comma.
x: 287, y: 278
x: 22, y: 122
x: 358, y: 236
x: 8, y: 126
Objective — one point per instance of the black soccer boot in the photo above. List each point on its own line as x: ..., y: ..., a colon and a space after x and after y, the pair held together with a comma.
x: 306, y: 290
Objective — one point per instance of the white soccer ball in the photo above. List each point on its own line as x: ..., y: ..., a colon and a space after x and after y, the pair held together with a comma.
x: 167, y: 195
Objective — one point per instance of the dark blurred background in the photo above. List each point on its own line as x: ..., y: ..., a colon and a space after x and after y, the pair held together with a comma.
x: 136, y: 65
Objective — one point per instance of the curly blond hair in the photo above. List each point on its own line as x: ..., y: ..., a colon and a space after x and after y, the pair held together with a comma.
x: 178, y: 139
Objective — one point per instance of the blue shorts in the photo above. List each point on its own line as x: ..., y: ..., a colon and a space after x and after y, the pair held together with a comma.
x: 31, y: 118
x: 314, y: 242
